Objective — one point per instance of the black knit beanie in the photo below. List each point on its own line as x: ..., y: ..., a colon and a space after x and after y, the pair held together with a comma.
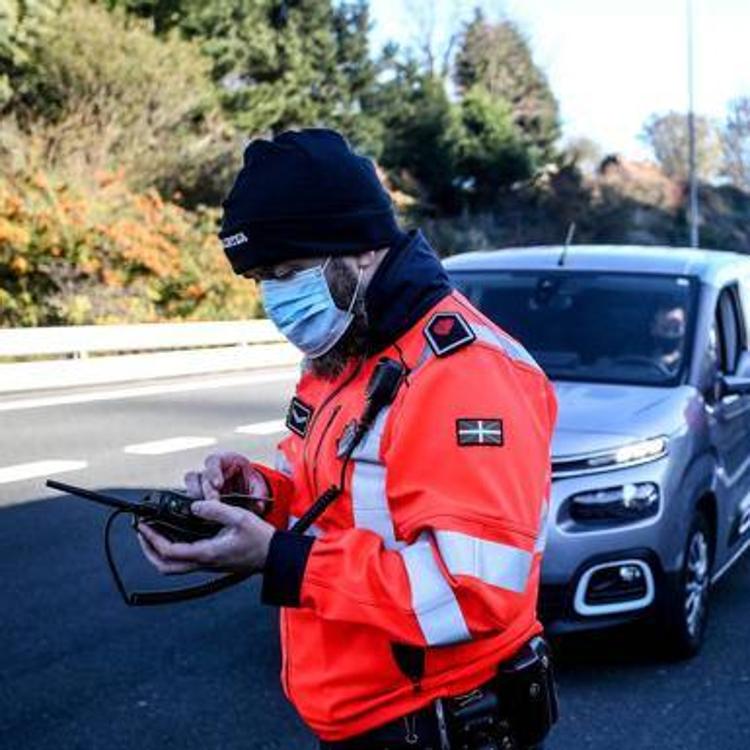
x: 304, y: 194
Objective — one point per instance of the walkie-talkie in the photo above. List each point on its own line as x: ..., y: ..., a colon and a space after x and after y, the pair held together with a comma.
x: 169, y: 513
x: 381, y: 390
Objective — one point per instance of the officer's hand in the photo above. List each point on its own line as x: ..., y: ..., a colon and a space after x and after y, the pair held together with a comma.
x: 242, y: 545
x: 224, y: 473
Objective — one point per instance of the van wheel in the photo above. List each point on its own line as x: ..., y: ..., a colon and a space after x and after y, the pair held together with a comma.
x: 686, y: 612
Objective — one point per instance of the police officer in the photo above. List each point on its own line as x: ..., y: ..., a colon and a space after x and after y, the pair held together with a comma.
x: 418, y: 578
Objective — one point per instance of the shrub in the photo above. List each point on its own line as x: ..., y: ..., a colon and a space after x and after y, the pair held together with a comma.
x: 103, y: 92
x: 68, y: 256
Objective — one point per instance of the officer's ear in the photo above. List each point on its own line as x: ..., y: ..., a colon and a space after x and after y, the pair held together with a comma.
x: 370, y: 260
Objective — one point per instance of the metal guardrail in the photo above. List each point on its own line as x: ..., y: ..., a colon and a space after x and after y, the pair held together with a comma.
x: 130, y: 353
x: 81, y: 341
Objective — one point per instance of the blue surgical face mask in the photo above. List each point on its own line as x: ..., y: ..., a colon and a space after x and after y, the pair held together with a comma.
x: 303, y: 309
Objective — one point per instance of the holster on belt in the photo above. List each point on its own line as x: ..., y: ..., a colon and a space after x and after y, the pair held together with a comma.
x: 516, y: 709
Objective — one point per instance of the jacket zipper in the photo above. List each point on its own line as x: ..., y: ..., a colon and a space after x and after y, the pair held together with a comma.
x: 335, y: 392
x: 320, y: 445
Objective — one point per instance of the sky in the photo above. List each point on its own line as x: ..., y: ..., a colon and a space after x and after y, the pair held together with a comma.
x: 611, y: 63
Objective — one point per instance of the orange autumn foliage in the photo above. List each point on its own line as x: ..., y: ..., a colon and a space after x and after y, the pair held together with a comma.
x: 76, y: 254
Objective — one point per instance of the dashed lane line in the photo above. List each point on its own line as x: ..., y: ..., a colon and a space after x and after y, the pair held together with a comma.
x: 147, y: 390
x: 19, y: 472
x: 263, y: 428
x: 169, y: 445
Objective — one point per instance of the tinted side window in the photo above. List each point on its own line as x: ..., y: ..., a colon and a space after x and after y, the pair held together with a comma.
x: 744, y: 301
x: 731, y: 329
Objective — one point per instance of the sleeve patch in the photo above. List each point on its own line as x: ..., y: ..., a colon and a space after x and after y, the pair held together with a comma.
x: 447, y: 332
x: 479, y: 432
x: 298, y: 417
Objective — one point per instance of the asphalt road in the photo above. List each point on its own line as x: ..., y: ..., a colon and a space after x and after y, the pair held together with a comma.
x: 81, y: 671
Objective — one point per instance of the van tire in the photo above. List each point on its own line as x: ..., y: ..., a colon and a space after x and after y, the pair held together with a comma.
x: 686, y: 603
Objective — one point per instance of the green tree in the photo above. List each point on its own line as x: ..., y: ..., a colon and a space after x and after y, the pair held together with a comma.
x: 461, y: 154
x: 102, y: 92
x: 667, y: 136
x: 488, y: 150
x: 357, y: 78
x: 418, y: 122
x: 165, y: 14
x: 498, y: 57
x: 309, y: 65
x: 22, y: 26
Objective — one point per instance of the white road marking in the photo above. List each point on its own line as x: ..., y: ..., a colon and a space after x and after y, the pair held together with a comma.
x: 34, y: 469
x: 169, y: 445
x: 147, y: 390
x: 263, y: 428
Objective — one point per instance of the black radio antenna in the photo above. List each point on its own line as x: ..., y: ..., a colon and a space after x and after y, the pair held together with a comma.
x: 568, y: 240
x: 97, y: 497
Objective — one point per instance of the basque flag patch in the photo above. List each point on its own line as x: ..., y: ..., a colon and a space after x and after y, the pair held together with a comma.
x: 479, y: 431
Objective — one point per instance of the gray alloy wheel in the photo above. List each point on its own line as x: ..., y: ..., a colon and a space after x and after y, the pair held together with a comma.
x: 697, y: 581
x: 685, y: 614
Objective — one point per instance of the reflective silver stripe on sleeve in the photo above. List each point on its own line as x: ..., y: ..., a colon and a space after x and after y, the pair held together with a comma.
x: 281, y: 464
x: 433, y: 600
x: 489, y: 336
x: 496, y: 338
x: 369, y: 500
x: 541, y: 539
x: 314, y: 530
x: 492, y: 562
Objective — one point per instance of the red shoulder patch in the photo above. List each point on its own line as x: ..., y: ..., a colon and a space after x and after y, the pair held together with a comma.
x: 447, y: 332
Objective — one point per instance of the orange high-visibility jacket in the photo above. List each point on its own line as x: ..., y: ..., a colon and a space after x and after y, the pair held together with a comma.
x: 423, y: 575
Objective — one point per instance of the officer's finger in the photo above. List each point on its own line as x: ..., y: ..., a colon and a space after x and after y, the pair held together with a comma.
x: 156, y: 541
x: 196, y: 554
x: 217, y: 469
x: 193, y: 485
x: 209, y: 486
x: 160, y: 545
x: 222, y: 513
x: 164, y: 567
x: 149, y: 552
x: 224, y: 465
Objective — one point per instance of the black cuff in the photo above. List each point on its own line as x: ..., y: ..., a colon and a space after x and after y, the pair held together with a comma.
x: 285, y: 568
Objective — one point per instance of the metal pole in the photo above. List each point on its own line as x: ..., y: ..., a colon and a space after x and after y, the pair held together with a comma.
x: 693, y: 214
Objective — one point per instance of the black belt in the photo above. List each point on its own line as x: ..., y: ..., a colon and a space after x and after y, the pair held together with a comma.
x: 514, y: 709
x: 419, y: 729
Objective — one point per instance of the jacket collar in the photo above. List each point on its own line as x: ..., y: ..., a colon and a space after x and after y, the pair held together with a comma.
x: 408, y: 282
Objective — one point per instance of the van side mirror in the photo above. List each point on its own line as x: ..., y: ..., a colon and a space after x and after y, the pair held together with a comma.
x: 739, y: 383
x: 743, y: 366
x: 733, y: 385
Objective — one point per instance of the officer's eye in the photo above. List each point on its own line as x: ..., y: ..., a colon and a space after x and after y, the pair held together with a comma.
x: 287, y: 272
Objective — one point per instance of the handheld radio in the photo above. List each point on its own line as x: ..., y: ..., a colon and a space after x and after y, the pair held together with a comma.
x: 167, y: 512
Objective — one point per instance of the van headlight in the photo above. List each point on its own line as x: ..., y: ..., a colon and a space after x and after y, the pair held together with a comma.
x: 628, y: 502
x: 630, y: 454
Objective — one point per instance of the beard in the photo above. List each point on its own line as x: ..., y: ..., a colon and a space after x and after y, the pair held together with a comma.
x: 342, y: 282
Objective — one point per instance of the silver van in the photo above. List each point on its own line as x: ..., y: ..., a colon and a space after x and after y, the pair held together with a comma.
x: 648, y: 350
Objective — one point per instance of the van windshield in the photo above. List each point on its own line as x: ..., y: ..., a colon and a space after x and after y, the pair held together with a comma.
x: 591, y: 326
